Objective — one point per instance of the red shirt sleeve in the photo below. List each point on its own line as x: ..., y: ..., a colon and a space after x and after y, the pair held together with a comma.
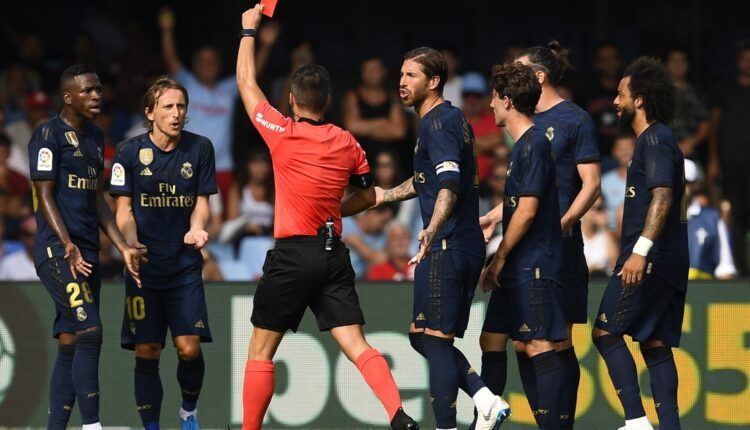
x: 270, y: 123
x: 360, y: 159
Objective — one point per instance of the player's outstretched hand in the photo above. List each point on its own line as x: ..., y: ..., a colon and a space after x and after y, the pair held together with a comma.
x: 76, y: 261
x: 166, y: 18
x: 196, y: 238
x: 632, y: 271
x: 488, y: 280
x: 488, y: 227
x: 251, y: 17
x: 132, y: 257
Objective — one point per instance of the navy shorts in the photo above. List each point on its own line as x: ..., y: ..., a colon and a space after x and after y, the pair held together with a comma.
x: 76, y: 299
x: 299, y: 273
x: 526, y: 311
x: 444, y: 284
x: 149, y: 311
x: 652, y: 310
x: 575, y: 282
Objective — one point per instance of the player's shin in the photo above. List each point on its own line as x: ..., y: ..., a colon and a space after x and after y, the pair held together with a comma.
x: 529, y: 381
x: 148, y: 391
x: 85, y: 372
x: 623, y: 373
x: 443, y: 380
x: 62, y: 395
x: 571, y: 380
x: 257, y: 391
x: 549, y: 374
x: 663, y: 375
x: 190, y: 376
x: 377, y: 374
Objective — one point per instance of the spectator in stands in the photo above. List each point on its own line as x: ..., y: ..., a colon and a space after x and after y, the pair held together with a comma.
x: 36, y: 110
x: 600, y: 91
x: 599, y: 245
x: 613, y: 182
x: 708, y: 236
x: 16, y: 82
x: 386, y: 170
x: 487, y: 136
x: 495, y: 188
x: 251, y: 197
x: 211, y: 272
x: 690, y: 124
x: 452, y: 89
x: 373, y: 112
x: 364, y: 235
x: 19, y: 266
x: 111, y: 266
x: 212, y: 100
x: 729, y: 151
x: 396, y: 267
x: 16, y: 183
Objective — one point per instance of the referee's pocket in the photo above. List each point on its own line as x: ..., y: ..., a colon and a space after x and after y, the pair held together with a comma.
x: 266, y: 262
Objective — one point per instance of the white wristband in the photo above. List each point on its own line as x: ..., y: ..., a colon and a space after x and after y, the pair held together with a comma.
x: 643, y: 246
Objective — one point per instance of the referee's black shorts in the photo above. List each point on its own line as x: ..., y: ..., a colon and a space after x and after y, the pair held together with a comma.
x: 298, y: 273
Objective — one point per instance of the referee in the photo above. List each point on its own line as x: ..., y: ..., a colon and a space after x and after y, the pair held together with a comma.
x: 313, y: 163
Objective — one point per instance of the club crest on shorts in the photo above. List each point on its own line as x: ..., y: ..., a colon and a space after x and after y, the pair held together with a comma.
x: 71, y: 137
x: 187, y: 170
x: 81, y: 314
x: 146, y: 156
x: 550, y: 133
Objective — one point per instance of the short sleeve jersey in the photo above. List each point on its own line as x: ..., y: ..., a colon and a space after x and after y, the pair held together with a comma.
x: 312, y: 165
x: 74, y: 160
x: 531, y: 172
x: 657, y: 162
x: 571, y: 132
x: 445, y: 152
x: 164, y: 186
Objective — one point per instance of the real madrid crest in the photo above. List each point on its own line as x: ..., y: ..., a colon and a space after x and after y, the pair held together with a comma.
x: 187, y: 170
x: 550, y: 133
x: 81, y: 314
x: 146, y: 156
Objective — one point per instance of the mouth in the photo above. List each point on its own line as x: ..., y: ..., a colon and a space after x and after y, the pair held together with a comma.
x: 403, y: 93
x: 95, y: 109
x: 175, y: 125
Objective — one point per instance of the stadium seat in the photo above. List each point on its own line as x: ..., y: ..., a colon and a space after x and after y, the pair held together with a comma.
x: 252, y: 254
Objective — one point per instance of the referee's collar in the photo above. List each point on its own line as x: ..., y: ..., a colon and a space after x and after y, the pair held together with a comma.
x: 311, y: 121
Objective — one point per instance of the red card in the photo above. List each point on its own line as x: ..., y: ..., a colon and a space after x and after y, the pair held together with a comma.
x: 268, y: 7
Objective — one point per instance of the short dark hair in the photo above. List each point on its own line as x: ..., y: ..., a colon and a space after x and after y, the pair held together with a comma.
x: 552, y: 59
x: 432, y: 62
x: 517, y: 82
x: 649, y: 80
x: 71, y: 72
x: 311, y: 87
x: 155, y: 91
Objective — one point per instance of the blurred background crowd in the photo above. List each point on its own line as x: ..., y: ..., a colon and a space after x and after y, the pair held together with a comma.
x: 705, y: 47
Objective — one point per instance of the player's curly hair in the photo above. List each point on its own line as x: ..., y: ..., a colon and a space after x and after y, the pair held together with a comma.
x: 551, y: 59
x: 517, y: 82
x: 155, y: 91
x: 650, y: 80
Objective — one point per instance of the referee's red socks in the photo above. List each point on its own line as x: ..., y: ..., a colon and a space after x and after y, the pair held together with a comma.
x: 257, y: 391
x: 376, y: 372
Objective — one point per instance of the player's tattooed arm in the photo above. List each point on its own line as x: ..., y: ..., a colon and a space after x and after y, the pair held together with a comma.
x: 402, y: 192
x: 247, y: 83
x: 446, y: 200
x: 45, y: 192
x: 658, y: 211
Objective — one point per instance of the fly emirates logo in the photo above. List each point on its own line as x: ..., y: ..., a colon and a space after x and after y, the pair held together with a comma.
x: 269, y: 125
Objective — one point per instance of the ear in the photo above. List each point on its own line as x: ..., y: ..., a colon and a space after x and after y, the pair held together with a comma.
x: 540, y: 76
x: 291, y: 99
x: 67, y: 99
x: 434, y: 82
x: 507, y: 103
x: 638, y: 102
x: 149, y: 114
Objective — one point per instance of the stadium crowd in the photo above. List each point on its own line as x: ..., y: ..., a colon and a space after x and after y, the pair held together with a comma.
x: 710, y: 125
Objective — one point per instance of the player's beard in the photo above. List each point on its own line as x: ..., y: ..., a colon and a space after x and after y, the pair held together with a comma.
x: 627, y: 115
x: 418, y: 97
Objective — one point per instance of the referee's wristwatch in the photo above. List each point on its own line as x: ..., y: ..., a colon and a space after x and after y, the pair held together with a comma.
x: 248, y: 32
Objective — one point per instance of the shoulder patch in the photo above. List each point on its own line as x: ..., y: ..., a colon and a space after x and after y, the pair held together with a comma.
x: 44, y: 160
x: 118, y: 175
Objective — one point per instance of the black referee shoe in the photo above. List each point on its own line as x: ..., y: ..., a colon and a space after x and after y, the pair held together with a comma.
x: 401, y: 421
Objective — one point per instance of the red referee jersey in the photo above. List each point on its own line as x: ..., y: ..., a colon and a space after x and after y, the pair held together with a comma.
x: 312, y: 164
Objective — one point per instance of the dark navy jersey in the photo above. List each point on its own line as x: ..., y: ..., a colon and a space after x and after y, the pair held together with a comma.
x: 657, y: 162
x: 164, y: 187
x: 73, y: 159
x: 531, y: 172
x: 445, y: 152
x: 571, y: 132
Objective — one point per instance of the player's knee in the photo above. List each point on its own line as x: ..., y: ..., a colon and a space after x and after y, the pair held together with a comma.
x: 90, y: 337
x: 608, y: 342
x: 597, y: 332
x: 519, y: 346
x: 562, y: 346
x: 189, y: 351
x: 148, y: 350
x: 491, y: 342
x: 656, y: 354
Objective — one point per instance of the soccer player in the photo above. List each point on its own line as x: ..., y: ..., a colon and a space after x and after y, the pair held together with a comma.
x: 66, y: 165
x: 645, y: 297
x: 162, y: 180
x: 313, y: 163
x: 571, y: 133
x: 525, y: 275
x: 451, y: 251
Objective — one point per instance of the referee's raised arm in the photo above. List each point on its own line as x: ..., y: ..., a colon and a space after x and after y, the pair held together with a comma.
x: 246, y: 79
